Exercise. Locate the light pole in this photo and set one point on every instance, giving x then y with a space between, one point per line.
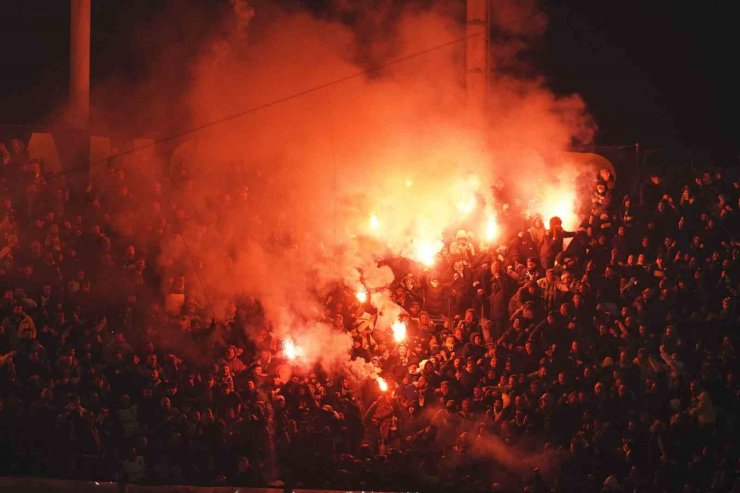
77 162
476 52
79 63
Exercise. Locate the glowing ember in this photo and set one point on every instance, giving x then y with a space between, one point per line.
399 331
374 222
361 296
382 384
290 350
426 251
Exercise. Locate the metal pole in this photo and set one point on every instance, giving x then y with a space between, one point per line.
77 162
79 63
476 59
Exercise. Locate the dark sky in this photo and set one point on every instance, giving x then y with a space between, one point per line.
655 72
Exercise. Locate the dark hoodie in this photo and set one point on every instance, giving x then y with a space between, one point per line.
473 350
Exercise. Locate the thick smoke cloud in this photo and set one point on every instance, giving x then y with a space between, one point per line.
283 202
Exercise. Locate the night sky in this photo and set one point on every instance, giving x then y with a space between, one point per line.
655 72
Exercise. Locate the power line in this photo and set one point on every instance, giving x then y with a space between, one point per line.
278 101
305 92
296 95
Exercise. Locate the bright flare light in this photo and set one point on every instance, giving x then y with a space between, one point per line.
561 203
290 350
382 384
426 251
492 230
374 222
361 296
466 206
399 331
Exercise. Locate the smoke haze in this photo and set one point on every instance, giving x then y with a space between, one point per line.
283 202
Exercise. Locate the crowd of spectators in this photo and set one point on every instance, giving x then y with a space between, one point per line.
598 359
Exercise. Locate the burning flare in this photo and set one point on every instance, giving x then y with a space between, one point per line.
492 229
466 206
399 331
426 251
382 384
290 350
561 203
361 296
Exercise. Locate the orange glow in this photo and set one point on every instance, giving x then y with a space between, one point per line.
466 206
562 203
426 251
361 296
382 384
290 350
374 222
492 229
399 331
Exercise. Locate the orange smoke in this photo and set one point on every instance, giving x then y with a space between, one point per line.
285 201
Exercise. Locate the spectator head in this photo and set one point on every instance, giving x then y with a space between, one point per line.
165 403
18 310
151 360
546 401
28 332
415 309
16 144
230 352
251 386
556 223
599 389
46 394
